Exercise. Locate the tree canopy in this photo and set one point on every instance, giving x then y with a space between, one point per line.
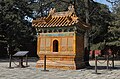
113 35
15 29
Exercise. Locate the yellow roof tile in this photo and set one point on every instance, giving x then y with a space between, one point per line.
59 19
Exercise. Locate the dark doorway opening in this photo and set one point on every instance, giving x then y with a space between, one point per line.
55 46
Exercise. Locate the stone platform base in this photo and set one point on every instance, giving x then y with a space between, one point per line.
64 64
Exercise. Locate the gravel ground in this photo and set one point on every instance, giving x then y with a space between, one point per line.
32 72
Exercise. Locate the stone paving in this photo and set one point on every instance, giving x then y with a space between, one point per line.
35 73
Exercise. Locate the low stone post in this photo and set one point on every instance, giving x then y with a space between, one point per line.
96 64
44 63
107 62
10 60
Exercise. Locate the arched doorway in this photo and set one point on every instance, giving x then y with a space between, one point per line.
55 46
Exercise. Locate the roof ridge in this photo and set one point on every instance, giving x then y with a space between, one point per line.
59 19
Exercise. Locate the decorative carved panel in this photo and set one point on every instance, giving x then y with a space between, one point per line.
64 42
70 48
70 41
63 48
42 42
48 42
70 44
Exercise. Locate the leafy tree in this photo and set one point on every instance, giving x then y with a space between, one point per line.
14 16
99 14
113 35
100 20
15 28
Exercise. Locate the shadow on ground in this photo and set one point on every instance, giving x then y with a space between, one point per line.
116 67
16 59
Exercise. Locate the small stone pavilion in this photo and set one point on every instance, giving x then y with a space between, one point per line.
61 39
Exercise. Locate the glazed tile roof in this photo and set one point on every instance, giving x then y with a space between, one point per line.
59 19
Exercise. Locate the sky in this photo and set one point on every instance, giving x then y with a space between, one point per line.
104 2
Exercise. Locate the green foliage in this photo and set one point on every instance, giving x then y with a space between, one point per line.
15 28
99 15
18 31
113 35
100 20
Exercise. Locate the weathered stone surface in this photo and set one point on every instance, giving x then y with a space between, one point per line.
35 73
60 62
